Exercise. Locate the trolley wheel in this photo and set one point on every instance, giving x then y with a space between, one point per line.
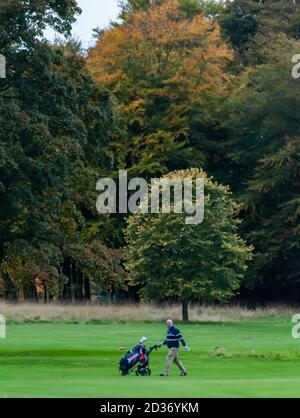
148 372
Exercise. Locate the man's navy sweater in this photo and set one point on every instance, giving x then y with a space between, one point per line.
174 337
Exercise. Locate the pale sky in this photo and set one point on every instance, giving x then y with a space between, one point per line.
94 13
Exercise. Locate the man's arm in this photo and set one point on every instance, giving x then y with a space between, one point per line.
179 336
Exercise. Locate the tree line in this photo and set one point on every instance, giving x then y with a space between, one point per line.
172 86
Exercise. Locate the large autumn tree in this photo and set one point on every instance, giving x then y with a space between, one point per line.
165 67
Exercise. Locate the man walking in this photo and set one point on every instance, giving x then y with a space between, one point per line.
172 341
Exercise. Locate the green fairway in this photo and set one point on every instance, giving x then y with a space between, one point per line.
81 360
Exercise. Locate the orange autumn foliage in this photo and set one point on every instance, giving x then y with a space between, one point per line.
161 65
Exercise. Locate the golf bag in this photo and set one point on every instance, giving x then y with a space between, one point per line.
137 360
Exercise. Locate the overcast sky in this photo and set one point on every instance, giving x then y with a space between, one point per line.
94 13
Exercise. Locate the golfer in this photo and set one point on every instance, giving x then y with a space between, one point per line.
172 341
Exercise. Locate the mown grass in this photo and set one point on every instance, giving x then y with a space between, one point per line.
96 313
256 358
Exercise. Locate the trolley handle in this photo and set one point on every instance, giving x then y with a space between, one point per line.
154 348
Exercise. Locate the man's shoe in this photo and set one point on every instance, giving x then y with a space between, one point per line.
164 374
183 374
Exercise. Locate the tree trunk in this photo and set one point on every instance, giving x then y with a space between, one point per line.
112 296
73 281
79 284
45 293
30 292
87 289
185 310
66 293
10 292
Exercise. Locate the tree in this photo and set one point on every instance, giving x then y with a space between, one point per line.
249 24
191 7
55 127
239 21
169 259
167 71
23 22
280 16
129 6
165 67
263 121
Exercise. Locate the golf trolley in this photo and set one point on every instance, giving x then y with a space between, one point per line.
137 361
